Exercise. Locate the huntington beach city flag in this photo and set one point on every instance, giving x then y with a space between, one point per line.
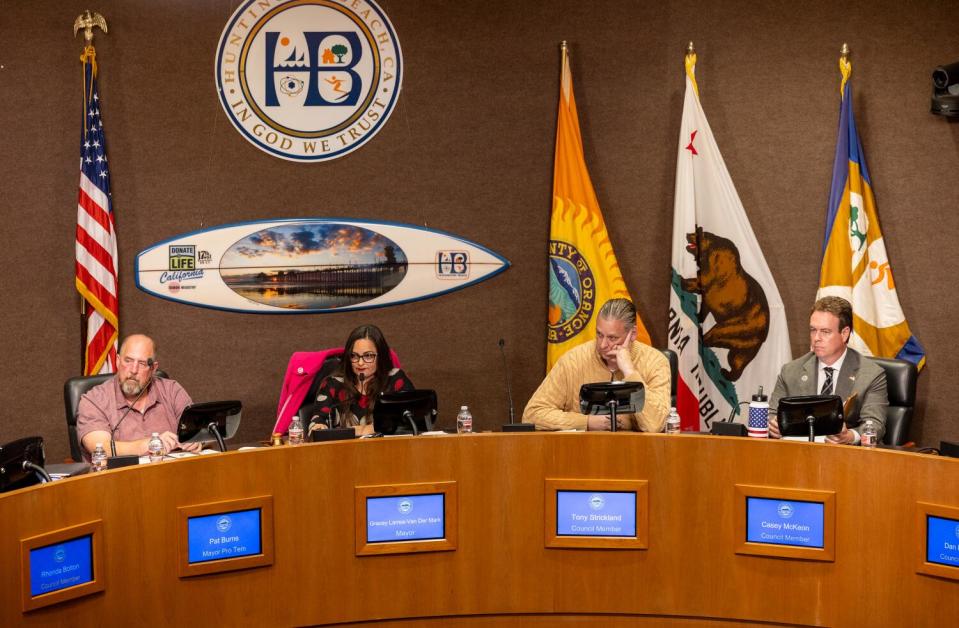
583 272
726 320
96 242
854 262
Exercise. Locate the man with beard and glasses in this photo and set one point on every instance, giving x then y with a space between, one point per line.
144 402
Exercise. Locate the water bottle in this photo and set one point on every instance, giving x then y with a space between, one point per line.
758 422
464 421
869 437
672 422
296 432
98 460
155 448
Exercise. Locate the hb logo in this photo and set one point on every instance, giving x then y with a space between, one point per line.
308 80
327 47
452 264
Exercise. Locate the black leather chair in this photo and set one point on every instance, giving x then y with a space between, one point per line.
901 385
73 389
673 374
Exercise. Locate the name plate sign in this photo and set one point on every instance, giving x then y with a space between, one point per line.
61 565
942 541
600 513
785 522
589 513
938 532
224 535
405 518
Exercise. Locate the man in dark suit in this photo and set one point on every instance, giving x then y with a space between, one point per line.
832 368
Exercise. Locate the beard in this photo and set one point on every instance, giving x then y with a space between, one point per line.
131 387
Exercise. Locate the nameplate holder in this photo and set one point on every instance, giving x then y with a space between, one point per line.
950 449
724 428
596 513
937 538
118 462
337 433
785 522
62 565
519 427
224 536
405 518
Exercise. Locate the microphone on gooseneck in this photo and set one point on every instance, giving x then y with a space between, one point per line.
509 390
113 432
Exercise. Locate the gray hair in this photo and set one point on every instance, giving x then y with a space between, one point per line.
620 310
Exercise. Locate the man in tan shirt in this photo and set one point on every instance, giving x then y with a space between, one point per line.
613 354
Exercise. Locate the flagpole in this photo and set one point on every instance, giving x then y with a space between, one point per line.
87 21
845 68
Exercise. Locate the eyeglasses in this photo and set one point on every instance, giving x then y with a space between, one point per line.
129 362
369 358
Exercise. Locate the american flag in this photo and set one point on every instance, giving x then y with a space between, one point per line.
758 426
96 272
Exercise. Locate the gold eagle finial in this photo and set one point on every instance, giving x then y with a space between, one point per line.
87 21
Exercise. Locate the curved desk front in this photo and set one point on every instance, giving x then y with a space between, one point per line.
500 562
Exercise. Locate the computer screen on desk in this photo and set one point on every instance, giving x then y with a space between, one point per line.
61 565
224 535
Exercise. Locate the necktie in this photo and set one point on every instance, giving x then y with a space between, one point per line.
827 385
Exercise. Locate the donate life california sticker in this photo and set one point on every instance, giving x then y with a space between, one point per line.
308 80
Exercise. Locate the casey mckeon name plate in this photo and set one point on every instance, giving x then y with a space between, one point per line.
785 522
596 513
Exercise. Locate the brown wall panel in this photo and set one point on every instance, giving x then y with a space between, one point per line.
469 150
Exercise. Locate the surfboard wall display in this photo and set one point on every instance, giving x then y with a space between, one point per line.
309 266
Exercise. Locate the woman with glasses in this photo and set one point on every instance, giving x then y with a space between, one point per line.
347 396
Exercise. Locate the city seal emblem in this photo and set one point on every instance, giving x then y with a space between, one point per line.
572 292
308 80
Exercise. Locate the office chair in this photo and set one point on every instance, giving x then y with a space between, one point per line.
901 385
73 389
673 374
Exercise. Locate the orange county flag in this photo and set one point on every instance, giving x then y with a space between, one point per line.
726 320
583 272
854 262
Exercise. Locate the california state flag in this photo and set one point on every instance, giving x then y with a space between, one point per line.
726 320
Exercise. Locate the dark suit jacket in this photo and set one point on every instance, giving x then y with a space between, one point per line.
859 374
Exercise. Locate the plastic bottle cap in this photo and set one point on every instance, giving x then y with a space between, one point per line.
463 408
99 444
